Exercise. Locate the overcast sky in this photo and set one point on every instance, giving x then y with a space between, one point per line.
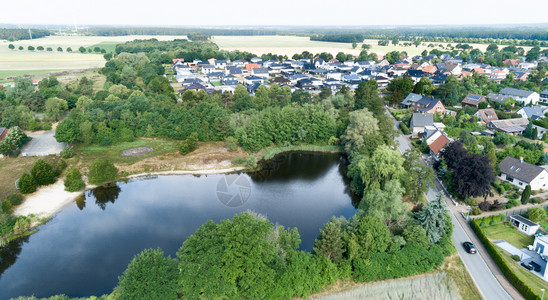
279 12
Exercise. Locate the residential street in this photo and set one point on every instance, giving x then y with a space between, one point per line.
489 279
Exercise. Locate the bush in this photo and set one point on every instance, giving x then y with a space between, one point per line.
67 152
516 257
6 205
46 126
150 275
190 144
526 195
15 199
231 143
238 160
60 165
42 172
102 171
475 211
538 200
74 182
483 223
26 184
514 196
404 128
507 186
512 203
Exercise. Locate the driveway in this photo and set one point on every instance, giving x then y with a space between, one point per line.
42 144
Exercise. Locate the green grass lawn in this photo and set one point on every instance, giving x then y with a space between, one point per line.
216 83
91 152
108 46
509 234
8 73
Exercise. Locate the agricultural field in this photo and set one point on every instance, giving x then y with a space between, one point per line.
39 63
289 45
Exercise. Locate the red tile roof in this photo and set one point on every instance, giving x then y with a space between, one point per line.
438 144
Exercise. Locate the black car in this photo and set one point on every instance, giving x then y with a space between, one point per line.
527 266
535 266
469 247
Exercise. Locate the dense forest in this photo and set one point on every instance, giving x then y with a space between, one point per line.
340 38
118 31
11 34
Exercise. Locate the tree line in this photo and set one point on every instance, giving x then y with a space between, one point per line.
12 34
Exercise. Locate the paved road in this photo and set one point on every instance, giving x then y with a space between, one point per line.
42 144
488 285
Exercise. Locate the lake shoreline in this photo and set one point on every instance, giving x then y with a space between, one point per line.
51 199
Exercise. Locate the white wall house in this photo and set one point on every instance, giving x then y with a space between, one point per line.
521 174
527 97
524 225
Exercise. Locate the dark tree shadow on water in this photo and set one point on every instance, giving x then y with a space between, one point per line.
105 194
9 253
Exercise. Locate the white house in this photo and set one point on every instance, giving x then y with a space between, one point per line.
540 246
532 112
544 96
524 225
521 174
524 96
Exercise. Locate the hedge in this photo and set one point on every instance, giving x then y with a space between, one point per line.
521 286
404 128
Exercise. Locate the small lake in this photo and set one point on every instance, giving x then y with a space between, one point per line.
85 247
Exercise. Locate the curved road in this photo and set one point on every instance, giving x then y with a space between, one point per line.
489 286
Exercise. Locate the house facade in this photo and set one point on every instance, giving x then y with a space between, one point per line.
419 122
526 97
521 173
524 225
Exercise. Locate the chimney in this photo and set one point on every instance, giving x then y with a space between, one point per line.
521 159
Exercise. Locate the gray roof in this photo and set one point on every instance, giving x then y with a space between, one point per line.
523 220
545 92
533 112
411 98
420 119
521 170
260 71
515 92
2 129
498 97
522 122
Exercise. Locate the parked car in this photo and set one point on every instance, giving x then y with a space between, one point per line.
469 247
527 266
535 266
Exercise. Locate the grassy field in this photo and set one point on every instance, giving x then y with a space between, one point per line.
289 45
88 153
12 168
450 281
21 62
108 46
509 234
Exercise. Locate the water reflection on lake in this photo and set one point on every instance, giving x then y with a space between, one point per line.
84 248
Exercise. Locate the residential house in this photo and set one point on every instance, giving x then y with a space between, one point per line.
532 112
251 66
416 75
509 126
498 98
497 74
520 76
419 121
511 62
526 97
486 115
229 80
256 60
382 81
438 79
260 72
221 63
206 69
521 173
410 99
280 81
430 70
544 96
524 225
319 63
429 105
438 145
473 100
235 71
540 246
251 80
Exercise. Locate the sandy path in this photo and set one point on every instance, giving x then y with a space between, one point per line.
46 201
53 198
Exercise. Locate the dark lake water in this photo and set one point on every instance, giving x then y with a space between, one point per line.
85 247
